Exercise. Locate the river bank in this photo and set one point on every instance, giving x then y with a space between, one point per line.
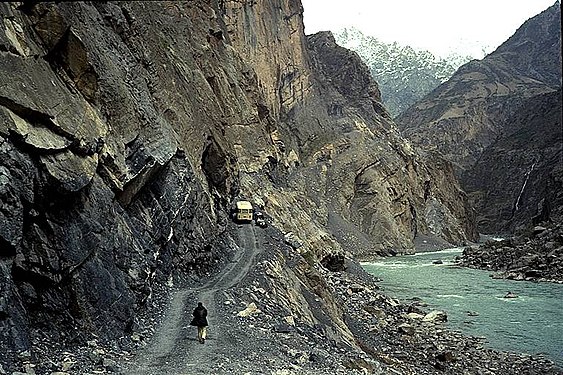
534 256
475 304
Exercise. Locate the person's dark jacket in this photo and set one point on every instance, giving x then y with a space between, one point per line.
200 317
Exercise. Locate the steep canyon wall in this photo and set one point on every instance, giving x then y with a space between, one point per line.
487 107
127 130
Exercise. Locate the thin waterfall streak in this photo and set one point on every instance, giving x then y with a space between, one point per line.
524 185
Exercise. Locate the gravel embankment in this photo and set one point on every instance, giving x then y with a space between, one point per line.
537 256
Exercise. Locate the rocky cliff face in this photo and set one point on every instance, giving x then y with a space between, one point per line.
326 123
366 179
463 117
526 163
127 129
111 147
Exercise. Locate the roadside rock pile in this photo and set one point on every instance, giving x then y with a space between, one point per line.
536 256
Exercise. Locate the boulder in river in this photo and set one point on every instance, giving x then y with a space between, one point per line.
415 316
510 295
435 316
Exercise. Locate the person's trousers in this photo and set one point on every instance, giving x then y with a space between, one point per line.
201 333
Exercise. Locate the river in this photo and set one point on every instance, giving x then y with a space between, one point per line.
475 303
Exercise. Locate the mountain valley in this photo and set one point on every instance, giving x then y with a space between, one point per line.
129 130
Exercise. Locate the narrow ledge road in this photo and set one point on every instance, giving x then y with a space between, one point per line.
174 348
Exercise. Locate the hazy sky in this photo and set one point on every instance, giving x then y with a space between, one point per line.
436 25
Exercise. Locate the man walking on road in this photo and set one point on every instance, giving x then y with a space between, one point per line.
200 321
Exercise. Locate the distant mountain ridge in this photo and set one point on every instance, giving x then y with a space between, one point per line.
404 74
491 103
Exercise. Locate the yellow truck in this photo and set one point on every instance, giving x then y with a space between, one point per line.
243 211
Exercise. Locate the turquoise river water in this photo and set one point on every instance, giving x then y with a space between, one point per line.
531 323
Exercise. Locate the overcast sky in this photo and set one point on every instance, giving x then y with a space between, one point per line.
436 25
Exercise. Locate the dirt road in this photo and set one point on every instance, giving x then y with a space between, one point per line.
174 348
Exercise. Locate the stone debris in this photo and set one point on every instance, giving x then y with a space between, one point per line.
290 333
414 315
534 256
251 309
292 240
406 329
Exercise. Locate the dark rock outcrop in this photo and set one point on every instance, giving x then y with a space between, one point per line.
526 162
476 108
99 204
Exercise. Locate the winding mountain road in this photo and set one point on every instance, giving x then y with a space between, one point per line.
174 348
